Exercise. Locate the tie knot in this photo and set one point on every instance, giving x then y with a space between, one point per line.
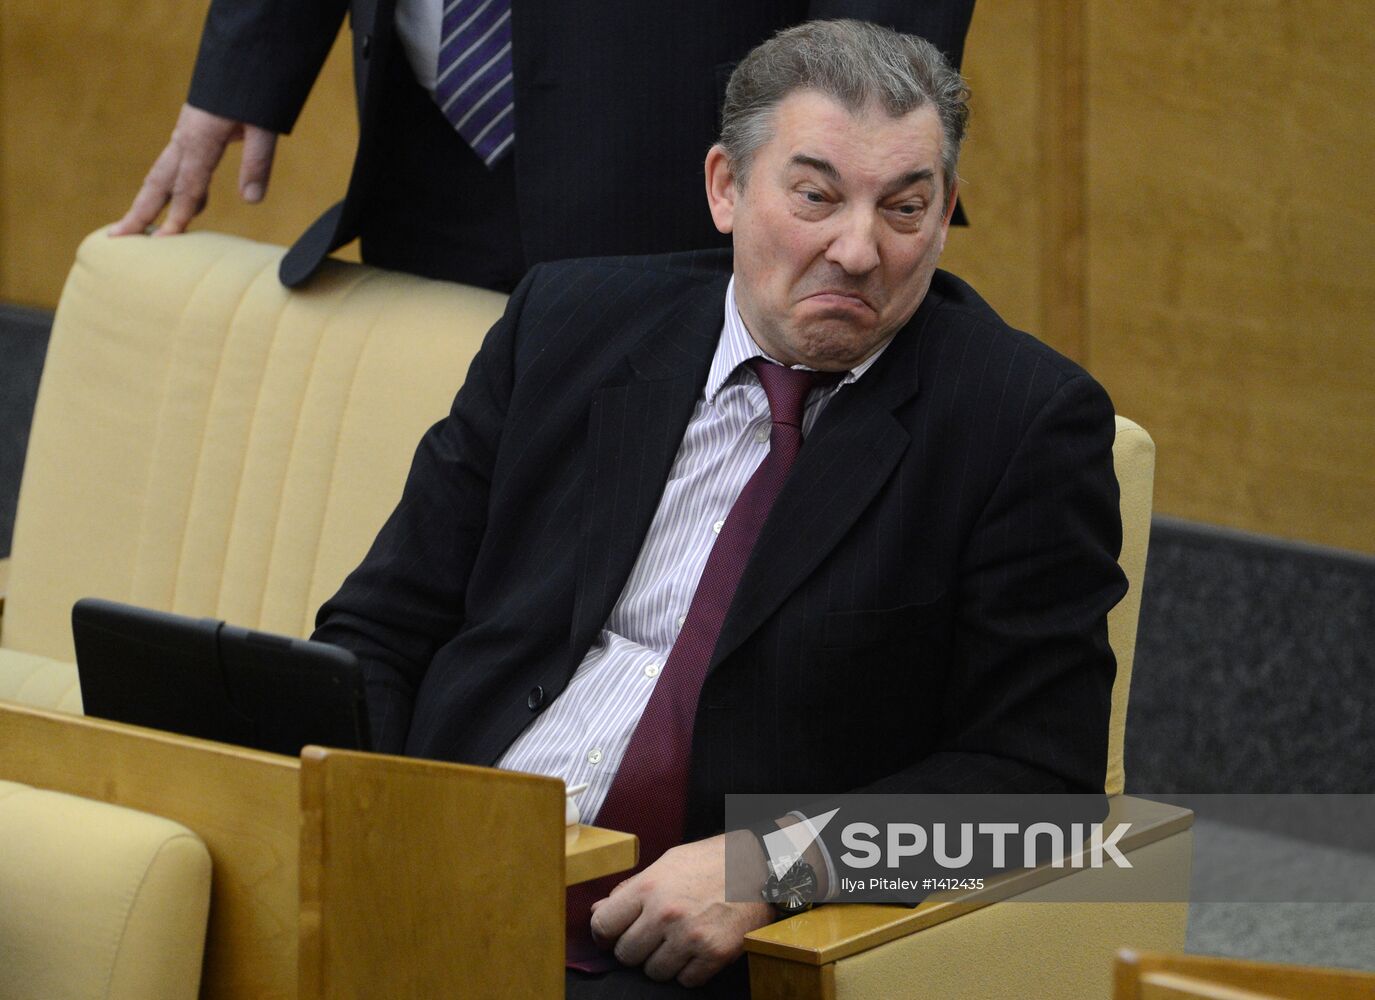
788 388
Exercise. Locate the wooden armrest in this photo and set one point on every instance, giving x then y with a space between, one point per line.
590 852
829 933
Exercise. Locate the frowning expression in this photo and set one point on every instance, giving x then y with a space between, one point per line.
837 230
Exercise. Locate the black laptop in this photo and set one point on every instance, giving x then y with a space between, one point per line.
202 677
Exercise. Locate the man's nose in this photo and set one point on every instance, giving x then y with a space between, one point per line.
854 247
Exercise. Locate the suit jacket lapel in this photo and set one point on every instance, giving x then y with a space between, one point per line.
845 461
636 423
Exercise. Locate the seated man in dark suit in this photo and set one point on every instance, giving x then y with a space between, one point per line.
807 517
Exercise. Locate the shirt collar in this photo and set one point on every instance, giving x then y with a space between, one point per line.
736 346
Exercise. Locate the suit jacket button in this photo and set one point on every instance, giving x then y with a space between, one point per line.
367 46
536 698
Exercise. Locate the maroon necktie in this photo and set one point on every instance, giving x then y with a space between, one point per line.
649 793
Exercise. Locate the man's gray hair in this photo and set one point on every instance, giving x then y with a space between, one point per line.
855 63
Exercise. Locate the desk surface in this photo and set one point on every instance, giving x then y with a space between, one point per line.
591 852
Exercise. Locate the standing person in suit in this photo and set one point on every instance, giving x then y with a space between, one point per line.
804 517
612 105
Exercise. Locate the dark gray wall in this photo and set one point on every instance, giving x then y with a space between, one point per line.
1255 666
23 342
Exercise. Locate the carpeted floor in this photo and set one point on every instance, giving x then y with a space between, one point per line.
1255 672
1255 666
1280 899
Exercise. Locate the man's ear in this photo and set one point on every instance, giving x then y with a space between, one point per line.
945 220
950 203
721 189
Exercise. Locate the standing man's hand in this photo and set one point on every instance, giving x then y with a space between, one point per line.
180 177
673 919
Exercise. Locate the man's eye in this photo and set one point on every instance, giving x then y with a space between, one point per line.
815 197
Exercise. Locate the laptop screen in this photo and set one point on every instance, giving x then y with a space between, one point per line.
205 678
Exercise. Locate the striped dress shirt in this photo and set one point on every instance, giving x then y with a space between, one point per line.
418 26
582 736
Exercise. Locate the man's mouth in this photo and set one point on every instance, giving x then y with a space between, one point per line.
839 298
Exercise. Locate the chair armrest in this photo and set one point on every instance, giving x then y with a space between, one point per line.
590 852
97 899
808 955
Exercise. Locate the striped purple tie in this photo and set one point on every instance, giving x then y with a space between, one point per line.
648 796
473 77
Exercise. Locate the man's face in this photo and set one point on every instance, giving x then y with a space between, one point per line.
838 230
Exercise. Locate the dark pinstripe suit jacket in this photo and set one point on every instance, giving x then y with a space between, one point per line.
924 611
616 99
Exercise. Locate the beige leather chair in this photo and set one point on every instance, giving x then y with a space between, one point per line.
202 443
206 443
98 902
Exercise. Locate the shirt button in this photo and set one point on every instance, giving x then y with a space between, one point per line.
652 670
594 756
536 698
762 434
717 527
681 620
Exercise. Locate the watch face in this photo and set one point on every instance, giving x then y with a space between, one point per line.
794 891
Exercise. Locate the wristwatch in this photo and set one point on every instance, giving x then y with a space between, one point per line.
791 885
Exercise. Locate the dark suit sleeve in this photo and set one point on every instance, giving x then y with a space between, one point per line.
943 23
406 598
259 58
1028 694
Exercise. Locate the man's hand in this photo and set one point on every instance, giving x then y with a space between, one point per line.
181 175
673 919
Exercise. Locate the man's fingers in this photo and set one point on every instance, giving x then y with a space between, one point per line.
180 177
649 930
639 941
613 915
669 959
692 951
256 167
189 195
698 971
152 196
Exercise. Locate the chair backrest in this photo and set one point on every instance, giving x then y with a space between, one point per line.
1155 976
207 443
98 901
1133 458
